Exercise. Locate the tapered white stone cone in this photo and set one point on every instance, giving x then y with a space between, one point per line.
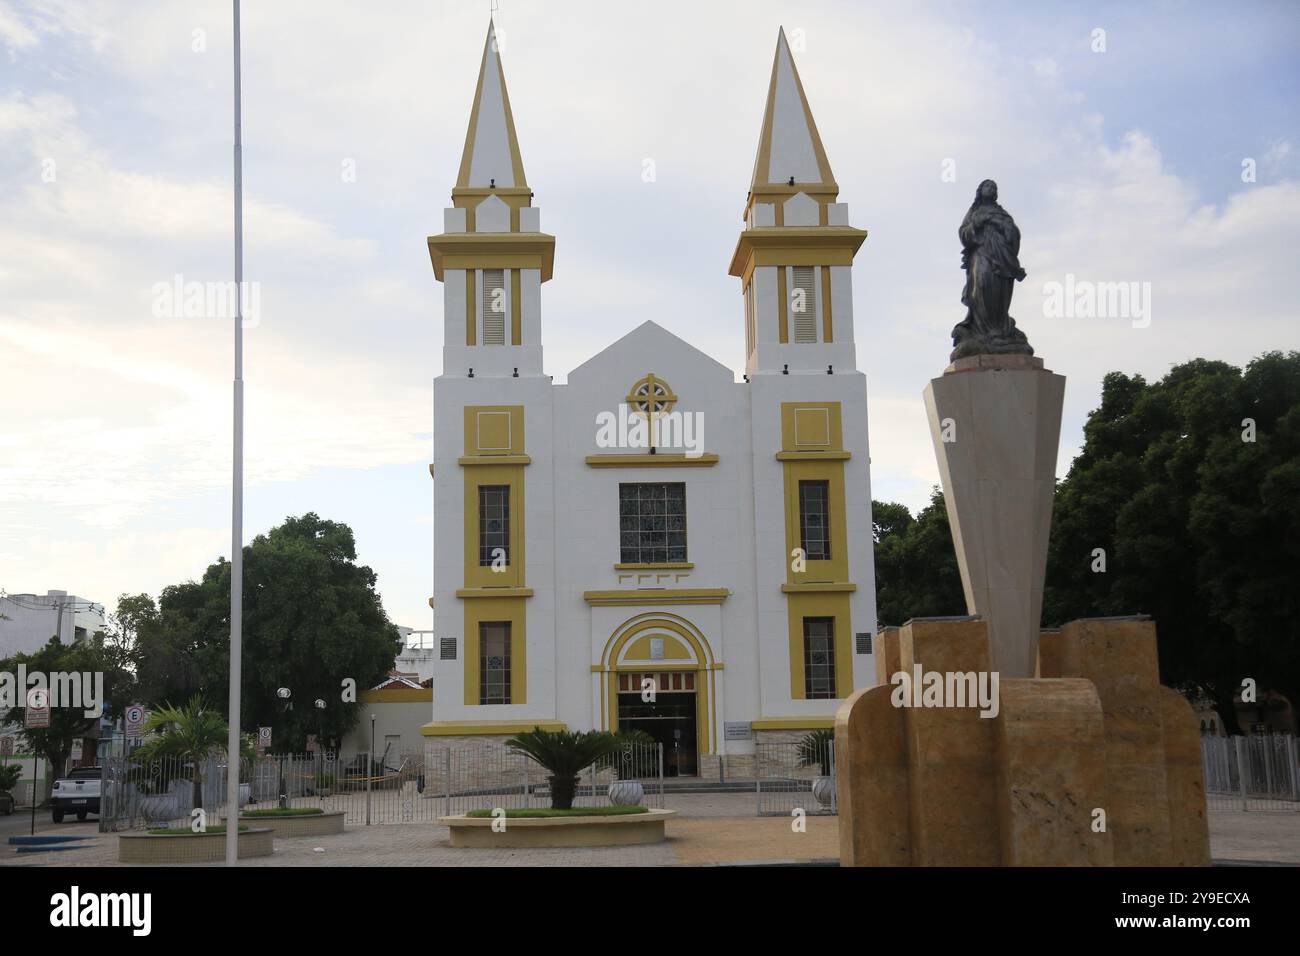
996 423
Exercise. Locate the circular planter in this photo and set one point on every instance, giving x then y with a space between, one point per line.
166 848
299 825
823 791
631 829
626 793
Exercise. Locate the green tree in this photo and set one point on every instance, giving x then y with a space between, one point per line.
1198 525
312 619
68 721
916 564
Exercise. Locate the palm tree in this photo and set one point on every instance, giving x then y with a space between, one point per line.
189 734
815 750
565 754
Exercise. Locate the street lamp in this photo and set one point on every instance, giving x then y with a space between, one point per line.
370 767
284 694
319 757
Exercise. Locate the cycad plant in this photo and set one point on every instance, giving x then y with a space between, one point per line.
815 750
188 734
565 753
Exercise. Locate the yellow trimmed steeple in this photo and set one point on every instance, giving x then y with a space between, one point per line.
492 255
491 157
790 155
794 255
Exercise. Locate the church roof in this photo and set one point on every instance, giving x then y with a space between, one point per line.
651 342
491 157
788 145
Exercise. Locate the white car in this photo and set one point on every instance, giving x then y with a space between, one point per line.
77 793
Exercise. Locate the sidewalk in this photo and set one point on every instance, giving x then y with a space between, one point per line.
711 829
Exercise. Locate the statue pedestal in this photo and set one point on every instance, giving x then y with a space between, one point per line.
996 422
1091 763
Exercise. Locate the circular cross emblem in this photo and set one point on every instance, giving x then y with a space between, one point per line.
651 396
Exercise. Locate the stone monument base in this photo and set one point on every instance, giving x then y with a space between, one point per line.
1090 763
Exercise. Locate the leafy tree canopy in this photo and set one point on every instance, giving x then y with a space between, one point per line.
1189 490
916 566
89 656
312 618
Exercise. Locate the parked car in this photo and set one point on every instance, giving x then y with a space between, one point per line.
9 777
77 793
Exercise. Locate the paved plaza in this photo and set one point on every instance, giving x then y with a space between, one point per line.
711 829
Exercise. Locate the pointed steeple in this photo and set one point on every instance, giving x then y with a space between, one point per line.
492 255
789 146
794 257
491 157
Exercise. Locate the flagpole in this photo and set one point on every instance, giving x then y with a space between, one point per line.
237 495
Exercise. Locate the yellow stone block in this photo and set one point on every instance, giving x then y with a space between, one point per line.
1051 774
950 751
1119 656
887 660
1189 827
872 781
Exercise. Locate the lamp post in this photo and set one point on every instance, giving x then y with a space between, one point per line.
284 694
370 768
319 776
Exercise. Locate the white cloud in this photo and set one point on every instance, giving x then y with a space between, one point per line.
119 414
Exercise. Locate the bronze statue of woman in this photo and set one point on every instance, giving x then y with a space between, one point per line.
990 251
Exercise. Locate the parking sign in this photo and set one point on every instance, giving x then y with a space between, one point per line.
135 718
36 715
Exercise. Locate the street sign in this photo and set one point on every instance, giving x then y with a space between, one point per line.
135 717
263 738
6 746
36 716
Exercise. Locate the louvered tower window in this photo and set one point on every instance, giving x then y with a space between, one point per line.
803 304
494 307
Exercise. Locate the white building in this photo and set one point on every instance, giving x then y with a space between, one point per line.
655 524
28 621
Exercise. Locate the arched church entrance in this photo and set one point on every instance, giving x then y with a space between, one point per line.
659 674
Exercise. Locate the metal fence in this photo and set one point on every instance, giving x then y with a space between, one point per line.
1257 772
410 787
795 775
490 776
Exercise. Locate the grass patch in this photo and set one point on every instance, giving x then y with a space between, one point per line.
286 812
575 812
186 831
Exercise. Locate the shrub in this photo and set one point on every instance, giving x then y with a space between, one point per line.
815 750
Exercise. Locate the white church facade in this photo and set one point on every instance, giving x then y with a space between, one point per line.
659 521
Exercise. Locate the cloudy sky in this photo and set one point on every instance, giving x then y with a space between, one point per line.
1122 164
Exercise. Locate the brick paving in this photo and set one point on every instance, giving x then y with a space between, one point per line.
710 829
